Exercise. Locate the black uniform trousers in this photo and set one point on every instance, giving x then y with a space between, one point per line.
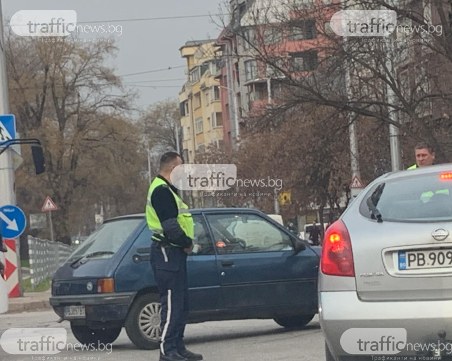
169 265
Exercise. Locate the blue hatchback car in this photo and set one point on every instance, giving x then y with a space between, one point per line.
244 265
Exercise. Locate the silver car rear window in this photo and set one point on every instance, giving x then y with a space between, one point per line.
414 198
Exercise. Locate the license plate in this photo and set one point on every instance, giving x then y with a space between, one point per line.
425 259
74 311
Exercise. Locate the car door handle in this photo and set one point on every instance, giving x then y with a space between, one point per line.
227 263
139 258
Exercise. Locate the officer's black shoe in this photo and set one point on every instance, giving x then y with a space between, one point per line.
172 356
190 356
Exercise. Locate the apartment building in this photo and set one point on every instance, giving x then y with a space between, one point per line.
262 38
201 115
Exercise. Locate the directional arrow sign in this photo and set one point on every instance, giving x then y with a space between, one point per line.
12 221
7 127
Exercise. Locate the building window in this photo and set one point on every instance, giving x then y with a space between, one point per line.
216 93
198 125
248 38
304 61
250 70
217 120
183 108
194 75
303 29
197 100
214 67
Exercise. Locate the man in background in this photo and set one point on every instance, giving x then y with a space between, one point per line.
424 154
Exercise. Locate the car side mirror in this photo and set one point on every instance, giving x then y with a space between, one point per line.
299 245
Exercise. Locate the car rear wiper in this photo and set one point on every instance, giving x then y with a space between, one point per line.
372 202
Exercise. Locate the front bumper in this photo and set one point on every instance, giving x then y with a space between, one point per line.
101 309
427 323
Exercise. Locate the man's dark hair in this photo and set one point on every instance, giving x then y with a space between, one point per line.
167 158
424 145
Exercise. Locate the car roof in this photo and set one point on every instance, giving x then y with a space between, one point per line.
195 211
418 171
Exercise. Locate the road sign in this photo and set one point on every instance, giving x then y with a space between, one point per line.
49 205
356 183
13 221
284 198
7 127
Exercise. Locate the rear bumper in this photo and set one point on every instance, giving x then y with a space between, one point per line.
100 309
426 323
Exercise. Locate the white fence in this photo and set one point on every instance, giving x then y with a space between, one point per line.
45 258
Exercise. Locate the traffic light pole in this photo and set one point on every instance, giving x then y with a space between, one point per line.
7 195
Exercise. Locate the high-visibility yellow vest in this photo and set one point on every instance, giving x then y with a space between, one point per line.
425 196
184 217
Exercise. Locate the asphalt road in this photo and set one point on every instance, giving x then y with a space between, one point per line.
250 340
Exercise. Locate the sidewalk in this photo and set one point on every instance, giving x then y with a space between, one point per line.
31 301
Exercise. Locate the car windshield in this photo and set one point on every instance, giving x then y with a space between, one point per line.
107 239
412 198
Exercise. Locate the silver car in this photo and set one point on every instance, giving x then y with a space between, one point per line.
385 284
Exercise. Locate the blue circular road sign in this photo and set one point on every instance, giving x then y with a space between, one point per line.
12 221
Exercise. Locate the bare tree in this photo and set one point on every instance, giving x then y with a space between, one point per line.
63 94
403 80
162 125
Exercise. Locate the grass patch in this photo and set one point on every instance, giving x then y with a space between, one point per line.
43 286
25 263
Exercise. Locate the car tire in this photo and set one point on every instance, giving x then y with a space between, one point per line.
328 355
143 322
294 321
95 336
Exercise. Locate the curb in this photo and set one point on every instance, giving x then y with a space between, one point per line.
33 306
30 302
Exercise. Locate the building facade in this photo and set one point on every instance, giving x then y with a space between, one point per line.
201 115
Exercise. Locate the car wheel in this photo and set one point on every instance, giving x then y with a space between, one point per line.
328 355
294 321
143 322
95 336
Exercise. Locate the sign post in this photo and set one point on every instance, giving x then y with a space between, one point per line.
356 186
49 206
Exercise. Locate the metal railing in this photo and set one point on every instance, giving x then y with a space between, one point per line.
45 258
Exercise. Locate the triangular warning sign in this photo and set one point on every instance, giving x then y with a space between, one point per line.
356 183
49 205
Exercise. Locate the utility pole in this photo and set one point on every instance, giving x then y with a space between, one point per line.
356 174
7 196
392 114
232 96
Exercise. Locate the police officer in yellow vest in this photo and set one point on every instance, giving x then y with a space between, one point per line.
424 154
172 233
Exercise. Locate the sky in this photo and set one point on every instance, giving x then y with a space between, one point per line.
146 44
